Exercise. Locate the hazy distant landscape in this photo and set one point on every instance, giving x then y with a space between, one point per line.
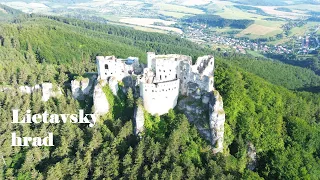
285 30
269 16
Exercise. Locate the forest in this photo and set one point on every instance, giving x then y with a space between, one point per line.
282 124
218 21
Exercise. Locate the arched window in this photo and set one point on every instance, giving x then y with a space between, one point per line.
106 66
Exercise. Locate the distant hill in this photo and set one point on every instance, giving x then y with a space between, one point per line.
218 21
7 13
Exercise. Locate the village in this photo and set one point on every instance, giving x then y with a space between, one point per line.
301 45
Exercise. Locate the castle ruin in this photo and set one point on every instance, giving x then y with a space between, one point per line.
164 80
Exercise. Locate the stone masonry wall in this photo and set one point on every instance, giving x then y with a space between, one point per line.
159 98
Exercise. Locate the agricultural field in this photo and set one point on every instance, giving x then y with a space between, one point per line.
176 15
141 28
177 8
256 30
295 14
300 31
231 12
29 7
305 7
151 23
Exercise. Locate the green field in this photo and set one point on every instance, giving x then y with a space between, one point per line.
173 14
230 12
176 8
141 28
300 31
262 29
305 7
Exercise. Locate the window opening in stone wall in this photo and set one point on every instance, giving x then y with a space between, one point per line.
106 66
176 76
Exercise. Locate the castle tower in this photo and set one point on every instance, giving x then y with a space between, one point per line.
150 56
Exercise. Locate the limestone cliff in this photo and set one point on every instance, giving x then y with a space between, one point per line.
252 156
29 89
206 112
113 84
82 88
139 120
216 121
100 101
47 90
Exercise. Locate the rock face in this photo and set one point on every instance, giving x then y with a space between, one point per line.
197 113
28 89
210 125
216 121
252 155
47 89
82 88
139 120
100 101
113 84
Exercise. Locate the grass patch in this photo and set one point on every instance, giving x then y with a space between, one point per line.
259 30
230 12
301 31
177 8
173 14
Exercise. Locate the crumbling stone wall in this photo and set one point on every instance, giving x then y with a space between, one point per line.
161 97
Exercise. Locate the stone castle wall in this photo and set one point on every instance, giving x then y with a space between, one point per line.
110 66
159 98
201 73
163 69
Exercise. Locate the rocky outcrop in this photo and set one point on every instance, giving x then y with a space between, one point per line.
47 90
100 101
139 120
82 88
113 84
252 155
29 89
197 114
196 107
216 121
